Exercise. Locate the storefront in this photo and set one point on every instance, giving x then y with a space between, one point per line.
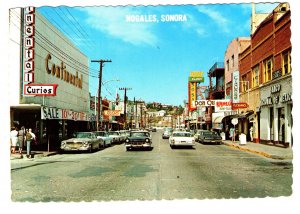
46 58
276 112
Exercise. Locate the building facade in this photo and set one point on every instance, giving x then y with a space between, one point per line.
42 55
266 64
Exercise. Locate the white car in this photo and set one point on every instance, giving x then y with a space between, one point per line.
116 136
181 138
105 137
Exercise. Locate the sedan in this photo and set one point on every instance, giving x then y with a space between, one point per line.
210 137
82 141
138 139
107 140
181 138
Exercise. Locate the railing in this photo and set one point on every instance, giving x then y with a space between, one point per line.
216 65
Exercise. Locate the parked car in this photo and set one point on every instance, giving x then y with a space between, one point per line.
124 134
107 140
181 138
210 137
138 139
116 136
198 133
82 141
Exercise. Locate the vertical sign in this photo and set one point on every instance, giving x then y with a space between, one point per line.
28 66
192 95
235 87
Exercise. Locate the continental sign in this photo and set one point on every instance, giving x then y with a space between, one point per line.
112 113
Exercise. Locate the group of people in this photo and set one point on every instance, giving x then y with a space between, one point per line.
20 139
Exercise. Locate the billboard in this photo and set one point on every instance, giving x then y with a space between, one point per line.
196 76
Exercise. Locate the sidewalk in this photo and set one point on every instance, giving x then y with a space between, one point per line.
34 154
269 151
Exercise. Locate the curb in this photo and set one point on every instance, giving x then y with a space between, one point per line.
264 154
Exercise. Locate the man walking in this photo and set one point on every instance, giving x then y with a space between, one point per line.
21 140
30 137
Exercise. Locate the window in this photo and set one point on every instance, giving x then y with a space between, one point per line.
286 62
268 67
227 65
255 76
244 83
232 59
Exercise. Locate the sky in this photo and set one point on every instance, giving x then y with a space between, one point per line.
153 59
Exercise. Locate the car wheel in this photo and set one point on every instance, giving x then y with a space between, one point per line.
91 149
127 149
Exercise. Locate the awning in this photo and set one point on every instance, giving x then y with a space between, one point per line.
218 119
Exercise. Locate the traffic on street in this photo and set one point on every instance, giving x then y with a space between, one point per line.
204 171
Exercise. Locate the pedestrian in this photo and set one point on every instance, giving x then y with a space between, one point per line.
231 132
251 133
14 139
21 140
30 137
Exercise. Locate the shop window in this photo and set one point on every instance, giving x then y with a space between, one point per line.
255 76
268 67
286 62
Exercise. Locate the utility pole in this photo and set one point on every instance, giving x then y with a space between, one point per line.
125 98
101 61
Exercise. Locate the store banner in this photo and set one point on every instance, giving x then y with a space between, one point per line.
51 113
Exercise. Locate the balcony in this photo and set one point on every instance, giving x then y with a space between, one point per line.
216 70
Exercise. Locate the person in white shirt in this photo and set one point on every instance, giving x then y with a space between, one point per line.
14 139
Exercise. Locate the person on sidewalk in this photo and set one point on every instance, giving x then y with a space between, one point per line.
21 140
251 133
14 139
30 137
232 133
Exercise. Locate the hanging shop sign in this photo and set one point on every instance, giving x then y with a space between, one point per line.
220 104
239 105
65 114
112 113
192 95
40 89
235 87
196 76
28 66
29 88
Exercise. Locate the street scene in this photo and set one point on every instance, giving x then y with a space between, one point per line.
165 102
112 174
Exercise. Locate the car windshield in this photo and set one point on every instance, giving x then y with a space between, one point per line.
182 134
207 134
139 134
83 135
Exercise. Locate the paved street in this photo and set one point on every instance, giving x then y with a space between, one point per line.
207 171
